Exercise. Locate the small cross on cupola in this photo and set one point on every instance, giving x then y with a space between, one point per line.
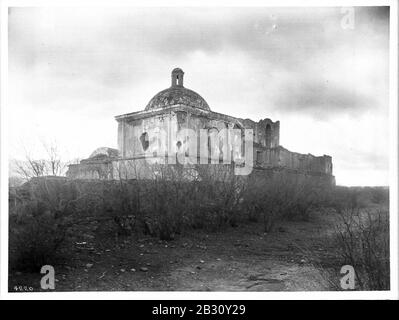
177 77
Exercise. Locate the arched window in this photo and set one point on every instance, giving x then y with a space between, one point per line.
268 136
145 142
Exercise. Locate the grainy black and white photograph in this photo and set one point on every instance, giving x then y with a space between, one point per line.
198 149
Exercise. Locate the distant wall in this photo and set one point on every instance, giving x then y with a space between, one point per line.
281 157
141 168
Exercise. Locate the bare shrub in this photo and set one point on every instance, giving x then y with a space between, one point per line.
219 193
380 195
30 167
358 197
121 200
305 195
263 199
362 237
358 236
39 223
178 198
36 243
277 197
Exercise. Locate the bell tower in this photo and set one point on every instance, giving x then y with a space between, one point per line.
177 77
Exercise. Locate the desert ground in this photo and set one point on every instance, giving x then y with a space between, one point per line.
243 258
293 237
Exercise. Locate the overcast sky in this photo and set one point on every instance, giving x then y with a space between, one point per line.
71 70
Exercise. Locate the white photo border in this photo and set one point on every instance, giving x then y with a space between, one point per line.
184 295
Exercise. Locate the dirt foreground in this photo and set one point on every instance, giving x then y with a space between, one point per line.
234 259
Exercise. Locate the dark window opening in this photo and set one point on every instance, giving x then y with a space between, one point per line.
145 143
268 136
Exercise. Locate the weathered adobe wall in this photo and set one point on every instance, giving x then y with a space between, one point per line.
294 175
135 140
91 171
305 162
281 157
132 132
142 168
266 132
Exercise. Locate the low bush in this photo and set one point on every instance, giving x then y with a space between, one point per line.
362 239
277 198
39 223
36 243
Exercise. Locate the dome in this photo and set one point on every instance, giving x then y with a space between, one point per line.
177 70
104 152
177 94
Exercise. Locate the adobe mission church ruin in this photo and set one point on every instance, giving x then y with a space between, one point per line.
177 108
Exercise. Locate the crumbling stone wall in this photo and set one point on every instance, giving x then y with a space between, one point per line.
137 138
135 129
283 158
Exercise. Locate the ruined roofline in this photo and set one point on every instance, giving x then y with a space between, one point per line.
304 154
153 112
149 113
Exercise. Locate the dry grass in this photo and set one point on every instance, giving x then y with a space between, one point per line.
43 211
